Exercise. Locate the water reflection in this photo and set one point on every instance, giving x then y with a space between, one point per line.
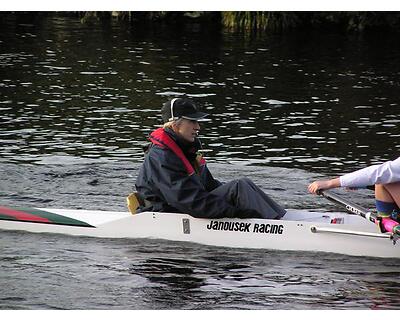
177 274
199 277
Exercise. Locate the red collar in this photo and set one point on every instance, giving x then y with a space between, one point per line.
161 138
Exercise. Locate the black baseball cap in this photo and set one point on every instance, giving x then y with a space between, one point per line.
181 108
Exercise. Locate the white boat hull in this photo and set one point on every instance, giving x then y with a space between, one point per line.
297 231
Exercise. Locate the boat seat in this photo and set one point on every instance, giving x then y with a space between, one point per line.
134 201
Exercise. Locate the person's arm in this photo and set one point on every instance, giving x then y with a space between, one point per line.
384 173
210 182
324 185
188 195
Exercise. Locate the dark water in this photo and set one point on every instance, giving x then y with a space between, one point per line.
57 272
77 102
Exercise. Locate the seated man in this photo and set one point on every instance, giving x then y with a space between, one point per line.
175 178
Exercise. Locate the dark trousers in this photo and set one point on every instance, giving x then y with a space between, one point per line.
245 195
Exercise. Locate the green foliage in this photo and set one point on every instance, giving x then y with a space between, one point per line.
93 16
258 20
255 21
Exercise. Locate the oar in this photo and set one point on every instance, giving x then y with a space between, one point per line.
386 225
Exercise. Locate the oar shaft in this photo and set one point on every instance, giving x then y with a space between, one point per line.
388 224
350 206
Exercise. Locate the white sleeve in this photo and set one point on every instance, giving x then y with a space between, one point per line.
386 172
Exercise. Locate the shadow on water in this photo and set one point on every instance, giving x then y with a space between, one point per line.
175 273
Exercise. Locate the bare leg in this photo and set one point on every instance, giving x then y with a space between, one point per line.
387 201
388 192
382 194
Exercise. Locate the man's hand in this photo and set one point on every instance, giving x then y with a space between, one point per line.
323 185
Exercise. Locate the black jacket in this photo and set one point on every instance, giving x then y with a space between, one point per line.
166 185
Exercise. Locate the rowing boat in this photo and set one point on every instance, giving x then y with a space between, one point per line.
298 230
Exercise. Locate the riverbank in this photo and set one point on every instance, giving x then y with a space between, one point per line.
236 21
